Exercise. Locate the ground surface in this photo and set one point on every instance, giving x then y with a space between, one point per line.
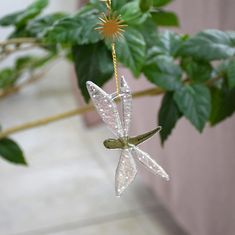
68 187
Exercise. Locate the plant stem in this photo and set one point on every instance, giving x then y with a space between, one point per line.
45 121
84 109
71 113
7 52
16 44
18 41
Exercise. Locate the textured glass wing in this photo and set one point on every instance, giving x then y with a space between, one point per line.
126 99
106 108
125 172
126 105
149 163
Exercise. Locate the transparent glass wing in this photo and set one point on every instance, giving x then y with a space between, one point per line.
106 108
126 172
149 163
126 104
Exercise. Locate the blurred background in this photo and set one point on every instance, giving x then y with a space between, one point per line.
68 187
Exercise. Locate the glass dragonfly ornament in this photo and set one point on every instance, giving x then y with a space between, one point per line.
119 125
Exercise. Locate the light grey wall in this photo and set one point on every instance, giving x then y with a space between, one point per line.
201 193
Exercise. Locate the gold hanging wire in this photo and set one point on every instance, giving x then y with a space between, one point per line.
108 3
111 27
115 67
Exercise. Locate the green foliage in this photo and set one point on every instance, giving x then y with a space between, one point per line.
21 18
131 50
162 71
167 43
117 4
209 45
10 75
196 72
78 29
145 5
168 115
32 62
231 74
161 3
96 67
39 27
10 151
132 13
222 103
165 18
7 78
194 101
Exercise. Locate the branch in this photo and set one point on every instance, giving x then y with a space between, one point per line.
16 44
18 41
84 109
68 114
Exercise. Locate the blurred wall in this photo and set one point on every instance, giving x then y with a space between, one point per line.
201 193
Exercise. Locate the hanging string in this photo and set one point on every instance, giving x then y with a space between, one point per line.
109 7
115 67
108 4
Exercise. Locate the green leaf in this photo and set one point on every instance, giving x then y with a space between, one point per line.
231 35
161 3
222 103
97 4
93 62
40 26
145 5
20 33
31 12
118 4
163 72
149 31
19 19
132 14
23 62
194 101
8 77
167 43
197 71
9 19
231 73
168 116
165 18
31 62
10 151
131 50
209 45
78 29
